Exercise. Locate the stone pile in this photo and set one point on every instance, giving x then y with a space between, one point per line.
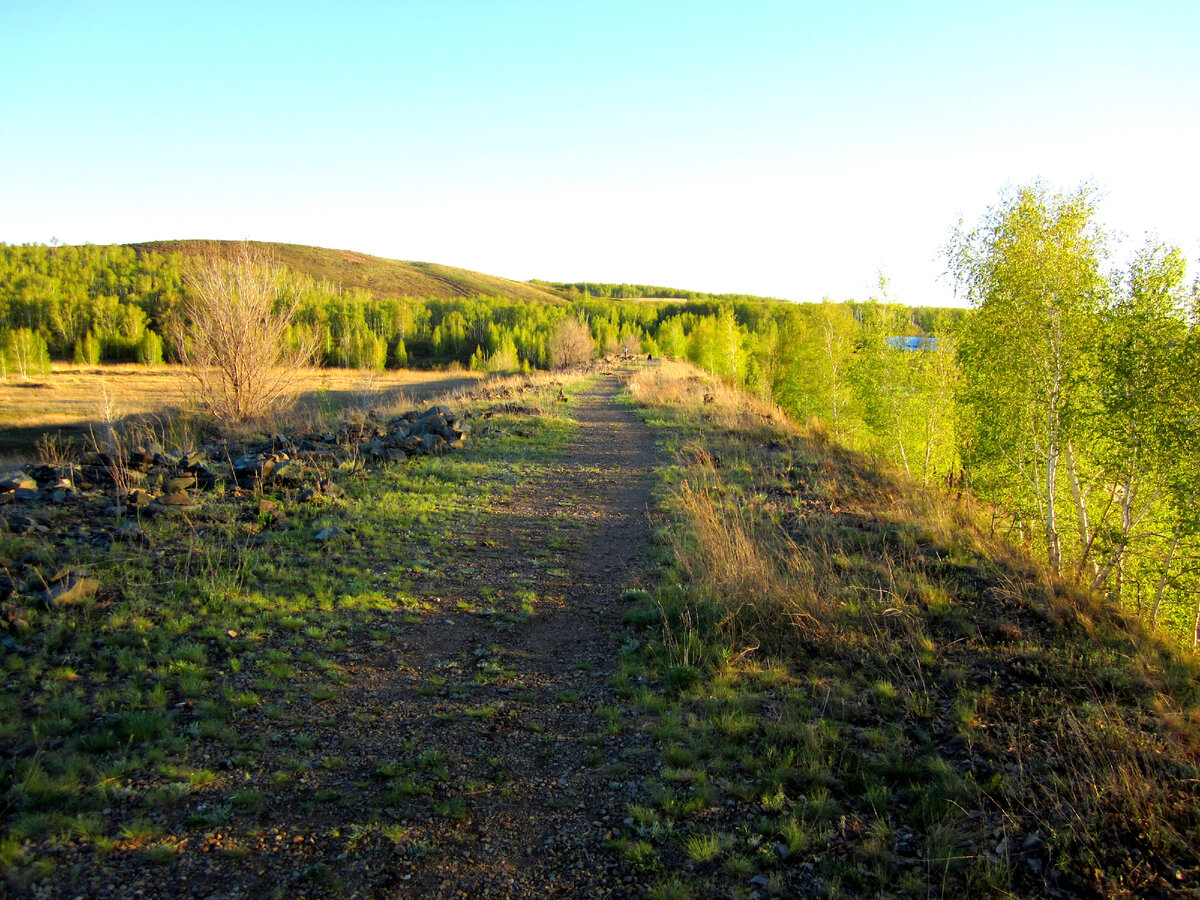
144 476
149 479
98 501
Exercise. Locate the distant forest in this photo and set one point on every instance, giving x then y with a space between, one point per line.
1066 397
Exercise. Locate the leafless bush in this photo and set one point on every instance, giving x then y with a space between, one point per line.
232 332
571 343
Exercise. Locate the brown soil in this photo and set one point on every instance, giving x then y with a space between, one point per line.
497 715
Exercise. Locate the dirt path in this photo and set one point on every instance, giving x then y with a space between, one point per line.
503 721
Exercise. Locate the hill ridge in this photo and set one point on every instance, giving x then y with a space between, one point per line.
384 277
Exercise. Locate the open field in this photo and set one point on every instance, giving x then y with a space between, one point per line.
73 399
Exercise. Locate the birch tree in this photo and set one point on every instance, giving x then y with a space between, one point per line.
1031 268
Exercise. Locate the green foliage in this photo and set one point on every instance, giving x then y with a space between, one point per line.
23 353
1078 405
87 350
65 293
1032 268
150 349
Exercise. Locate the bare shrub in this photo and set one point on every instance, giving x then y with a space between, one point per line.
571 344
232 333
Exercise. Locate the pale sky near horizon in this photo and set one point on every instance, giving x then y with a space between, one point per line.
788 149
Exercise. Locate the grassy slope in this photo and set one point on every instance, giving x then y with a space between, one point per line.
383 277
857 692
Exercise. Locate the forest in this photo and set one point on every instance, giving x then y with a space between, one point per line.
1063 399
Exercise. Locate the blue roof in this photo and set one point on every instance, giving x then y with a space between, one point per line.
920 342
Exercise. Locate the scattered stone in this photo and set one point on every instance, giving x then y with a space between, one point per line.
251 468
72 588
179 483
193 459
332 533
17 481
132 533
288 471
20 524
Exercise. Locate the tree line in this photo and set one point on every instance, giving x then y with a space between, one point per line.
1064 396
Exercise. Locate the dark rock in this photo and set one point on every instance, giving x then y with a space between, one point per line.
191 460
20 524
432 443
140 459
206 478
26 494
252 468
42 474
132 533
138 498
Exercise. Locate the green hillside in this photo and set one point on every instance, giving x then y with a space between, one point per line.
382 277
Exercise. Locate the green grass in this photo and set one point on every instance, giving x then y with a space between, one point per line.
221 641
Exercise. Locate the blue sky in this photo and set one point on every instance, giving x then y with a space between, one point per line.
787 149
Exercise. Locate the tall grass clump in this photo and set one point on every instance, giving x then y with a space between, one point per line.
753 590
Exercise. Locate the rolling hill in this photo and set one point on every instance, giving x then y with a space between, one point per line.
382 277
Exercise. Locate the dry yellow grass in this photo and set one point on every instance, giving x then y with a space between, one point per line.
680 384
72 399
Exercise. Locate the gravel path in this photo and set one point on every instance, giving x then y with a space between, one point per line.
549 785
